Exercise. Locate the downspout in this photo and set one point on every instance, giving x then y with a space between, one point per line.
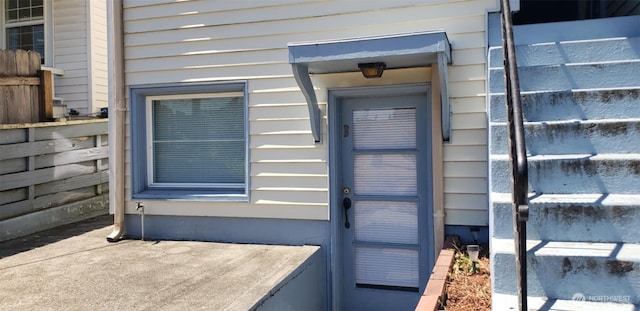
117 109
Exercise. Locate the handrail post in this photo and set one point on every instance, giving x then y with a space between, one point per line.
517 153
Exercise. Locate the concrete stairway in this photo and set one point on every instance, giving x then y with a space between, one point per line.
581 102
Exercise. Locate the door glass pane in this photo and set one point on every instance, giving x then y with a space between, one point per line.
387 266
384 128
386 221
386 174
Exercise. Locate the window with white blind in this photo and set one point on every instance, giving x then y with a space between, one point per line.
190 142
196 141
24 25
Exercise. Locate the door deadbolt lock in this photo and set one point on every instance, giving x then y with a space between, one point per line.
346 190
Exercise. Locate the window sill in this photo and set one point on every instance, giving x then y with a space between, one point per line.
55 71
229 195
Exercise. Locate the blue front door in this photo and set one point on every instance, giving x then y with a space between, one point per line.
386 199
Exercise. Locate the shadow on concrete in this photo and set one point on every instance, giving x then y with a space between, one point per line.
42 238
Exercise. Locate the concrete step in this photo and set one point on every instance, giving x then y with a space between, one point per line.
572 105
566 52
576 173
615 74
581 100
572 217
565 137
564 270
590 29
596 303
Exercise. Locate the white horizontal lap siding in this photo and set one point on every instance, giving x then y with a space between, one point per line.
465 167
71 53
287 168
465 159
197 41
98 49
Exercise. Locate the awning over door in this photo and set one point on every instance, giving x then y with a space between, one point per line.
343 55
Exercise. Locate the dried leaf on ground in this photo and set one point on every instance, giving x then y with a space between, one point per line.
467 290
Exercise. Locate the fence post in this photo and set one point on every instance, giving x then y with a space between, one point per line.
46 95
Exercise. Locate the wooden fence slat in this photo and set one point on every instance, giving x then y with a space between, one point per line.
22 63
75 156
13 195
4 62
72 183
23 179
8 64
15 81
77 130
63 197
34 63
4 103
12 136
27 206
15 209
19 109
36 114
25 93
12 166
8 97
21 150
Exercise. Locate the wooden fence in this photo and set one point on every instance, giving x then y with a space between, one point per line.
26 92
52 174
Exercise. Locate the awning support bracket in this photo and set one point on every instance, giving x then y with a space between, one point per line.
301 74
443 73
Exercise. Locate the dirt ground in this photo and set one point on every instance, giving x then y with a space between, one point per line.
467 290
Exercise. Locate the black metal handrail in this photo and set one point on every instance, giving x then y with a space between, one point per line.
517 153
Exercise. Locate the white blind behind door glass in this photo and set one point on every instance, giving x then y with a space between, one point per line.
384 128
389 174
199 140
387 266
386 221
388 171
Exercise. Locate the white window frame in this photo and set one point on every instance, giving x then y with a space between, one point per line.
47 22
150 145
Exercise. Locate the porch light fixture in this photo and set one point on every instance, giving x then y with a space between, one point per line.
372 70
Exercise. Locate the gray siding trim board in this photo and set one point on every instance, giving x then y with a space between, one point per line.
231 230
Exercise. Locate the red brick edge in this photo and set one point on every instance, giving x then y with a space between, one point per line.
433 296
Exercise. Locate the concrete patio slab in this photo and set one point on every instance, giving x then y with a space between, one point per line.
75 268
